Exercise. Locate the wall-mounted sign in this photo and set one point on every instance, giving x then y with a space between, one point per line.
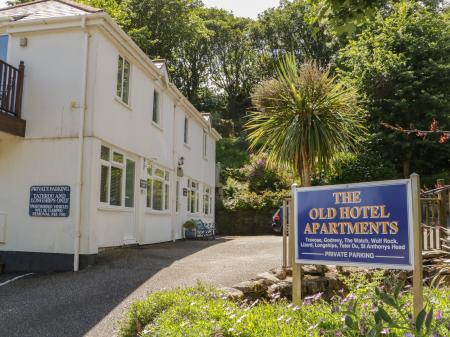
143 183
49 201
355 225
185 192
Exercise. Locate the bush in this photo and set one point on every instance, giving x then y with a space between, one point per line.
232 152
201 312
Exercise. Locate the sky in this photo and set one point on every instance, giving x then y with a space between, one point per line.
246 8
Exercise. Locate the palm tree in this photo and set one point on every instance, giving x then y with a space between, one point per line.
303 118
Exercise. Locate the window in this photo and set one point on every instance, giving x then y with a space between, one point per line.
158 188
123 80
186 130
205 140
4 47
193 197
207 200
155 116
116 178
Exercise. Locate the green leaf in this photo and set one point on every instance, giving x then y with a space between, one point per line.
349 321
378 317
429 320
398 288
372 333
419 320
388 299
385 316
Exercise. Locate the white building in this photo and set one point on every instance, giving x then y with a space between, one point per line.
100 124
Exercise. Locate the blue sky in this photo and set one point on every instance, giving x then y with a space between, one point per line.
246 8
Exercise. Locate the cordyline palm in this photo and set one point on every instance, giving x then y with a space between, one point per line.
304 118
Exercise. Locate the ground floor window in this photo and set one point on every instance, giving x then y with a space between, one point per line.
158 188
193 196
207 200
117 175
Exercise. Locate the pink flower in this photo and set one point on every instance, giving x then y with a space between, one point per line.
439 315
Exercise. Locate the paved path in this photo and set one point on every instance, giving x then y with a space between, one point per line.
92 301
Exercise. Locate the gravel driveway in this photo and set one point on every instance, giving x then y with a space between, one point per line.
92 301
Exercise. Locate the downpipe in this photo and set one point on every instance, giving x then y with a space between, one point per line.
77 233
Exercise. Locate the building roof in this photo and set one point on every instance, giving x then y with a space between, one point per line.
42 9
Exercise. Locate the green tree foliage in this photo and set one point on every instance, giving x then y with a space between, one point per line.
291 28
304 118
401 65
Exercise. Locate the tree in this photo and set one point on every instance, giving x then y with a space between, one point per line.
401 65
291 28
234 63
304 118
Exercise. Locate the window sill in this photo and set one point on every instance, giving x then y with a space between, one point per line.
126 105
186 145
153 212
205 158
109 208
156 125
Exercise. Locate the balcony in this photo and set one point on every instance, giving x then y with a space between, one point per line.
11 87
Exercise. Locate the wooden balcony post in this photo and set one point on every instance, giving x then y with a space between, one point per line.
18 102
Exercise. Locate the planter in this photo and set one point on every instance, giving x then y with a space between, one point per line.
190 233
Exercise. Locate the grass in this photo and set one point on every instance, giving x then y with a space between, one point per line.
200 311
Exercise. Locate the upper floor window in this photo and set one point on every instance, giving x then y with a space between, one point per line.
116 178
205 142
3 47
156 113
186 130
123 80
158 188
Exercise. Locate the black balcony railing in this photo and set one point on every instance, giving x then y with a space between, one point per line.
11 87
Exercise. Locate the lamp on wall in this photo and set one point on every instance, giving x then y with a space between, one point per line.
181 162
180 168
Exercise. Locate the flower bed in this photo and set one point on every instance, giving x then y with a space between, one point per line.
204 311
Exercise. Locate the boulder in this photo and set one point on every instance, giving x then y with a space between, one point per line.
252 289
314 269
283 289
232 293
279 273
268 278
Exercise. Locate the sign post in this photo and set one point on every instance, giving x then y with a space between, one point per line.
418 268
374 225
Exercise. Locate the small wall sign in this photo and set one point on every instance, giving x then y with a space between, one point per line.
49 201
355 225
185 192
143 183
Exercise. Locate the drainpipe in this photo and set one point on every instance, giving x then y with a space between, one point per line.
77 233
175 177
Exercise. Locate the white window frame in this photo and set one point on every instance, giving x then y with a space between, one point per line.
166 185
123 166
156 93
193 190
120 93
207 195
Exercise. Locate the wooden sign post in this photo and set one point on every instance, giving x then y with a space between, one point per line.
417 230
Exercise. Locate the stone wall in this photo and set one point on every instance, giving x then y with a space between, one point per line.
244 222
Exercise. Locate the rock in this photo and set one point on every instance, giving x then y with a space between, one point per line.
232 293
279 273
313 269
268 278
252 289
288 271
283 289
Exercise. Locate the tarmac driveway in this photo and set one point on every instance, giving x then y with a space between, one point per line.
92 301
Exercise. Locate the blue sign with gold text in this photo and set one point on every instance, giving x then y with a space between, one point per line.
366 224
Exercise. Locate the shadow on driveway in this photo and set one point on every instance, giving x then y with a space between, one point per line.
71 304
